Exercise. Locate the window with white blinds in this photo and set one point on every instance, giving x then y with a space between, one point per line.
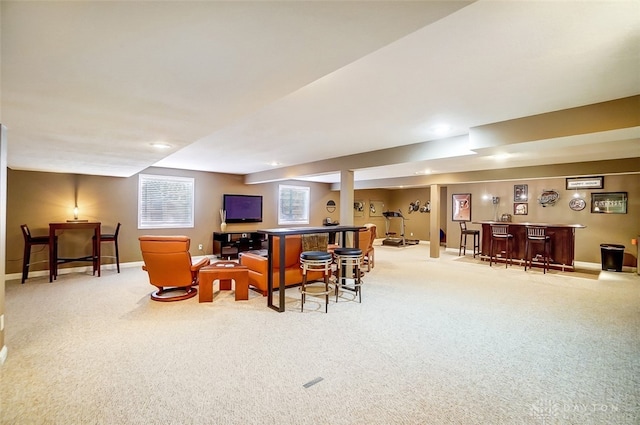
165 202
293 204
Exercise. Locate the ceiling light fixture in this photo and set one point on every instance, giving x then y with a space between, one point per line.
423 172
441 129
160 145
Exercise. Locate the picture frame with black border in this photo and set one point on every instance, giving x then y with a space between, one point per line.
594 182
520 208
520 193
609 203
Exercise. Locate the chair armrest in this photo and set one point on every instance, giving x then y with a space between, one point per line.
254 262
200 264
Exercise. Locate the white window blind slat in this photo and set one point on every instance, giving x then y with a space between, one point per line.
165 202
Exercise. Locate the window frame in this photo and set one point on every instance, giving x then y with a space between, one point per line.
188 221
286 193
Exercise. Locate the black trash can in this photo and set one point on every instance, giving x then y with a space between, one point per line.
612 257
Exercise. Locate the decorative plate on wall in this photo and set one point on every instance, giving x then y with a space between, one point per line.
548 197
577 204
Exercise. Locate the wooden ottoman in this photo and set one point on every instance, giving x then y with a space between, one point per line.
225 272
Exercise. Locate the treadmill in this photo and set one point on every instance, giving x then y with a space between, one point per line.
391 239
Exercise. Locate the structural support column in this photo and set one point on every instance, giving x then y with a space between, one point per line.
434 222
346 197
346 203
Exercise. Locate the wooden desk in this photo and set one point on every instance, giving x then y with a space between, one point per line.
562 242
73 225
282 234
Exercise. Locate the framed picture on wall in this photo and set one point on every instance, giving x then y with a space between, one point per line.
376 208
596 182
609 203
461 207
520 208
520 193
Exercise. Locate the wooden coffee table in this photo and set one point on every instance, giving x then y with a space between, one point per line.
225 272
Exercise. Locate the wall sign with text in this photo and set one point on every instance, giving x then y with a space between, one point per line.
609 203
596 182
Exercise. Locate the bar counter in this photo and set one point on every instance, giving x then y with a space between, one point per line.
282 233
562 242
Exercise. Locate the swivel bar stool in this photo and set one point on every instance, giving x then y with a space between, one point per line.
348 261
463 239
500 232
537 235
315 261
314 257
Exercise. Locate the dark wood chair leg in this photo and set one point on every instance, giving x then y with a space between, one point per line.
25 261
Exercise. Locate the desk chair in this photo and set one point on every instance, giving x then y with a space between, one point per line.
111 237
537 235
500 232
30 241
463 239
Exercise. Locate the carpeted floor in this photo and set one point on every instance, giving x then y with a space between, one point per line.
435 341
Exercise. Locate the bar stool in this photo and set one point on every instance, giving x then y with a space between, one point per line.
463 243
315 261
111 237
537 235
500 232
348 261
30 241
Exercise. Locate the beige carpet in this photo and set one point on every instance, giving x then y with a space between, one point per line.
435 341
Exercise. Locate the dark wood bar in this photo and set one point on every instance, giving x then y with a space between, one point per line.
562 242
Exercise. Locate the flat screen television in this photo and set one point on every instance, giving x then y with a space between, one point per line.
242 208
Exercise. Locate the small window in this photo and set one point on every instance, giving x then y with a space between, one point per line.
165 202
293 204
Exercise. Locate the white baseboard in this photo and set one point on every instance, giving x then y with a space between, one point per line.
3 354
67 270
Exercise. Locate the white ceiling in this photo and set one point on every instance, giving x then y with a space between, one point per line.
234 86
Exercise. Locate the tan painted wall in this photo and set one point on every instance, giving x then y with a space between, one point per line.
38 198
601 228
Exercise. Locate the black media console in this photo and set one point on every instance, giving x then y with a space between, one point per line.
230 244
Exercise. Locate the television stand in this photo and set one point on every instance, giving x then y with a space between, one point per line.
229 244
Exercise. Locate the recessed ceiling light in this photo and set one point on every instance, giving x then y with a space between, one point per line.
500 156
423 172
160 145
274 163
441 129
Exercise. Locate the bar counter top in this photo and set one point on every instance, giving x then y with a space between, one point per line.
527 223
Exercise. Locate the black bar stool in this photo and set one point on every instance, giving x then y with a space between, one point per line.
348 261
111 237
315 261
463 239
537 235
500 232
30 241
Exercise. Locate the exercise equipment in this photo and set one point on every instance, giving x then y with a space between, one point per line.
391 238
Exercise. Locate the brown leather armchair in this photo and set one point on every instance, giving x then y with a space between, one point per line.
257 265
365 243
168 262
